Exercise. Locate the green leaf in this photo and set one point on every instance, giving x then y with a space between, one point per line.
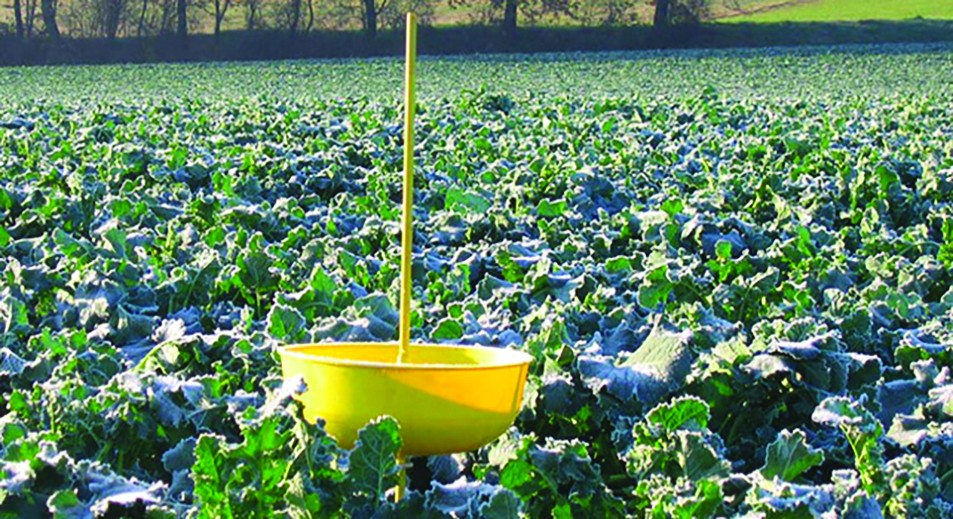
379 306
286 323
700 459
447 329
562 511
686 411
261 440
548 209
69 245
863 433
303 503
789 456
655 288
913 487
723 249
117 241
502 505
6 200
840 411
516 474
466 201
506 448
658 367
618 264
373 467
255 273
886 178
861 506
704 503
673 206
64 504
210 478
665 350
11 432
215 236
323 285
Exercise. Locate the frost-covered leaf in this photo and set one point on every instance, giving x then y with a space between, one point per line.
790 456
688 412
210 475
286 323
372 465
64 504
446 468
501 505
658 367
447 329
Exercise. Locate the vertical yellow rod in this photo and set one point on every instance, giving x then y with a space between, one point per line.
407 237
401 489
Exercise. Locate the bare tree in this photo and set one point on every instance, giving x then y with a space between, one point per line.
221 7
310 24
287 16
253 14
680 11
390 13
661 14
370 17
165 17
690 11
182 18
48 8
141 25
393 14
509 16
606 12
29 17
18 19
94 18
508 12
112 11
154 17
295 8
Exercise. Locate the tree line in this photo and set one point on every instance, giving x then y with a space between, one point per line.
109 19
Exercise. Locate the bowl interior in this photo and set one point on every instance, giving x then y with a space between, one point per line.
419 356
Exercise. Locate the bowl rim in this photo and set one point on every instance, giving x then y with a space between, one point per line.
513 358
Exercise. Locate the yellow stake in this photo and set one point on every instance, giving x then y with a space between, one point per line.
401 489
407 238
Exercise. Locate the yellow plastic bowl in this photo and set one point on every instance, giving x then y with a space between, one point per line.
446 398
